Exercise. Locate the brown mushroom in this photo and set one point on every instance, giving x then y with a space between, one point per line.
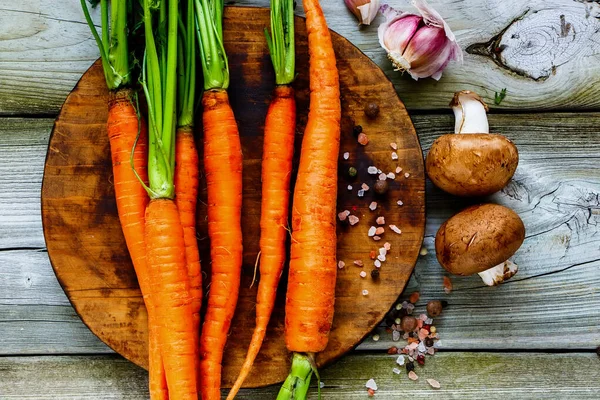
471 161
481 239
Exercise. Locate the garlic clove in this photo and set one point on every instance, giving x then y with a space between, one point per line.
364 10
397 38
470 113
368 12
428 52
499 274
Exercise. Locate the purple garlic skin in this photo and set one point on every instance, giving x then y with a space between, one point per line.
421 45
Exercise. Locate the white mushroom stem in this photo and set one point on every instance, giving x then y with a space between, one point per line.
500 273
470 112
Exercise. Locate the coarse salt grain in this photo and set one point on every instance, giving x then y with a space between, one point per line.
346 155
398 170
400 202
382 251
373 206
412 376
381 257
431 351
394 146
361 193
378 171
365 292
377 263
437 344
353 219
379 230
372 170
349 187
421 347
372 231
394 155
363 274
376 238
395 229
341 264
400 360
371 384
396 371
382 176
321 384
380 220
433 383
365 187
406 174
428 321
395 336
363 139
358 263
343 215
387 246
391 175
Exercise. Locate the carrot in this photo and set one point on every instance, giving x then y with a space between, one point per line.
164 237
186 161
278 150
124 129
223 171
312 274
132 199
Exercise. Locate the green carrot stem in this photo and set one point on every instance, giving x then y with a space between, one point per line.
297 383
281 41
159 81
187 65
209 19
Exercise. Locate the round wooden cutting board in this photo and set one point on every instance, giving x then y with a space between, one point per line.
87 249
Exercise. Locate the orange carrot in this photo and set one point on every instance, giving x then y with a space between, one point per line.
171 298
312 274
278 151
186 195
223 169
132 199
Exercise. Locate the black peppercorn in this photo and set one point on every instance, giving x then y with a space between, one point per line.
372 110
428 342
381 187
410 366
357 130
375 274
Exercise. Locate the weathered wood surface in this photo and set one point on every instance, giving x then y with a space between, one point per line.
553 303
88 251
546 53
461 376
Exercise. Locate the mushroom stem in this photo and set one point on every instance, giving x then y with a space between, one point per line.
470 112
500 273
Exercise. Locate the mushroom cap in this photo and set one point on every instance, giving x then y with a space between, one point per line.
473 164
478 238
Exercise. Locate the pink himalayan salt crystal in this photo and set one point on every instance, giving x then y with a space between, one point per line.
353 219
412 376
380 221
343 215
379 230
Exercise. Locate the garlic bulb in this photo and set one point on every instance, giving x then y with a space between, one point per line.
364 10
421 45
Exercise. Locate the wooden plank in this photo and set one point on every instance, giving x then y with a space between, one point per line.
553 297
461 375
544 52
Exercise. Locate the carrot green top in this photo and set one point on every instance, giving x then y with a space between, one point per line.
113 43
281 41
209 18
159 81
186 65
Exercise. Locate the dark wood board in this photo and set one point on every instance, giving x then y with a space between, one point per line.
87 249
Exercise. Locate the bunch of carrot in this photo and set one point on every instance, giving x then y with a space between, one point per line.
156 184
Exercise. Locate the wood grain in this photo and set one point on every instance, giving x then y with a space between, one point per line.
461 375
83 235
549 58
558 149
